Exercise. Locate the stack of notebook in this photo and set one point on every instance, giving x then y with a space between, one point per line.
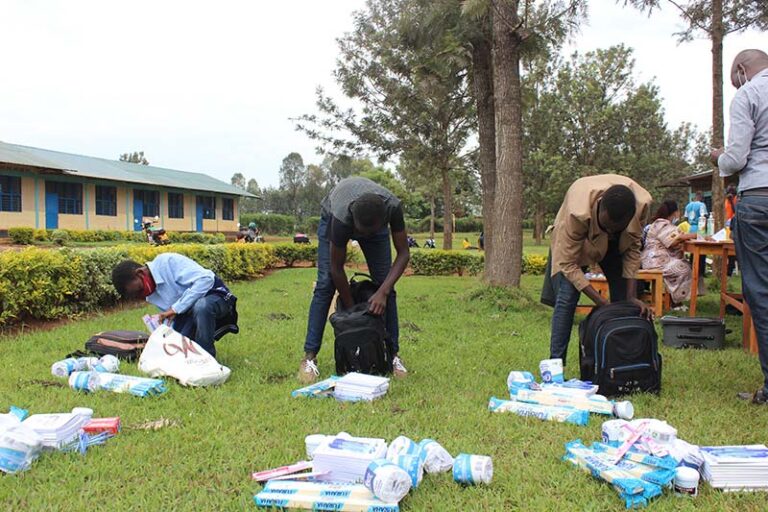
56 430
346 458
736 467
358 386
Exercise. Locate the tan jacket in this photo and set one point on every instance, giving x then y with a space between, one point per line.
578 241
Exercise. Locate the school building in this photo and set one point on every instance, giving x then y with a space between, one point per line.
40 188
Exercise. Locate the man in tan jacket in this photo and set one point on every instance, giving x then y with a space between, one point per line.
600 223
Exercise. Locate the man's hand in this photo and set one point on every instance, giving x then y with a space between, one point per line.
645 310
168 315
714 155
378 303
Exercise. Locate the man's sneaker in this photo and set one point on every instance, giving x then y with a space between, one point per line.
398 368
308 370
758 398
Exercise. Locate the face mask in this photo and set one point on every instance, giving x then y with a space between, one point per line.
149 285
738 77
675 220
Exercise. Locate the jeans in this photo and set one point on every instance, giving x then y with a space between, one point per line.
751 236
568 298
205 312
378 255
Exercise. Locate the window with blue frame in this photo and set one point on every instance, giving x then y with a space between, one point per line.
151 201
175 205
10 194
70 196
208 204
228 209
106 201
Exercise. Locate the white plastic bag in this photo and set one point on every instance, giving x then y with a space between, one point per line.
168 353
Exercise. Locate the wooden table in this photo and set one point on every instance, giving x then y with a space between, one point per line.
736 300
656 279
700 248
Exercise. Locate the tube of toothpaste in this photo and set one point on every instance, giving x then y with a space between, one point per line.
630 500
597 403
542 412
572 387
667 462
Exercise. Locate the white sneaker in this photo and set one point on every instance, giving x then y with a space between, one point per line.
308 371
398 368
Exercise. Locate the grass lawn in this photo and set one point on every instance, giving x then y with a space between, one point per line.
459 350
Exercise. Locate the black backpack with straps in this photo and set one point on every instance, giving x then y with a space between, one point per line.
619 350
361 338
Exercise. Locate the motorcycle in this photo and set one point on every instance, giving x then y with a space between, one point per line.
155 235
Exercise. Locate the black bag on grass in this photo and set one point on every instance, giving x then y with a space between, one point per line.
361 338
121 344
619 350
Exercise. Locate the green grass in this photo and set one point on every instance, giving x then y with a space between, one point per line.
459 348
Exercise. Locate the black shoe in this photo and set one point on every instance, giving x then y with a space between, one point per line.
760 397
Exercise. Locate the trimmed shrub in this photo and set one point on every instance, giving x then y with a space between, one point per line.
197 238
42 235
48 284
60 237
534 264
270 223
22 236
290 253
436 262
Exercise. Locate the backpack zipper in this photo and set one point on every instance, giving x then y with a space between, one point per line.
600 329
628 368
602 358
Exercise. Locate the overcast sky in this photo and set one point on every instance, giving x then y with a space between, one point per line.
210 86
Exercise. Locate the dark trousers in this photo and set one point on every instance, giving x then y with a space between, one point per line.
378 255
750 233
205 314
567 299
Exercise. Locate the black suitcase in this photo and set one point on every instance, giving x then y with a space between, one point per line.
693 332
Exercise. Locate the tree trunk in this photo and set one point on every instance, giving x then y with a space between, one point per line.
538 223
447 208
506 267
718 139
482 78
432 217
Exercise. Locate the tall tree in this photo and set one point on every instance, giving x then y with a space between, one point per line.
715 19
238 180
292 180
137 157
412 91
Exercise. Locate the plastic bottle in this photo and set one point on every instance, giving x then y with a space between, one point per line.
711 225
702 226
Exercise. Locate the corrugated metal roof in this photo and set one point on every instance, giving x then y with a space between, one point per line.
101 168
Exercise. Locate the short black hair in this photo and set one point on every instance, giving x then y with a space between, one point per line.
369 211
123 273
619 203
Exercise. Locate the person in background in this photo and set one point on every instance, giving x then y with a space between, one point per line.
600 222
357 209
746 156
695 210
731 199
664 250
196 302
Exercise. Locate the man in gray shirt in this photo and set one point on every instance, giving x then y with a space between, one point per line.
357 209
747 155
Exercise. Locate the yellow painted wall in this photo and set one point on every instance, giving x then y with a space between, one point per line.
26 217
67 221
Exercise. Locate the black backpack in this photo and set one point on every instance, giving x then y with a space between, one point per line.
121 344
361 338
619 350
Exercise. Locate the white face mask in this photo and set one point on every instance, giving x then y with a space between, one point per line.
738 77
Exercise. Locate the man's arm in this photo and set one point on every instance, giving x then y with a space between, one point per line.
378 301
338 276
189 274
742 130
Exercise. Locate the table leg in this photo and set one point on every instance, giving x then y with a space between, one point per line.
658 296
723 281
695 281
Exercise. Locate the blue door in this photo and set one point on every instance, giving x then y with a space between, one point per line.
200 209
138 214
51 210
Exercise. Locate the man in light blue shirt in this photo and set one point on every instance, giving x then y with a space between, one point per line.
694 211
747 155
194 299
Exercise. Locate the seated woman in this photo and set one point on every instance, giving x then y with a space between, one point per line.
664 250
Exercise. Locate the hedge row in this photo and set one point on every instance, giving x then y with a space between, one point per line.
26 236
45 284
437 262
276 224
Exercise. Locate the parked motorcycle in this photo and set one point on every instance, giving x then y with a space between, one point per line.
155 235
